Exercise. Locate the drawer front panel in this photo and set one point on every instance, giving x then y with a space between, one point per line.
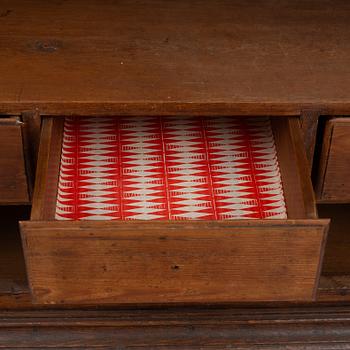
173 262
13 180
334 173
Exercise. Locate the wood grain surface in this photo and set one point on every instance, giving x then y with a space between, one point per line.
47 171
173 262
169 57
297 328
334 170
14 291
13 179
31 138
294 168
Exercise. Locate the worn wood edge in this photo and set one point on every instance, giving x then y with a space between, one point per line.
41 172
304 169
54 162
27 260
176 225
324 157
26 165
307 328
321 259
146 108
205 315
29 166
309 124
340 120
31 138
330 292
9 120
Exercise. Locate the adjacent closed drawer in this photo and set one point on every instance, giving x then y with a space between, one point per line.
333 176
169 261
13 180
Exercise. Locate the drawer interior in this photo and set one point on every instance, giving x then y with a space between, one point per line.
174 245
154 168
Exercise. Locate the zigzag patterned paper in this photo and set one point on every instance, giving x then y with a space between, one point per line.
169 168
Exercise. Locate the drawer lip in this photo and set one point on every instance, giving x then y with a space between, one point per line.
286 253
101 225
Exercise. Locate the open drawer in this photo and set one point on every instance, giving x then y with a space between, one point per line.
267 248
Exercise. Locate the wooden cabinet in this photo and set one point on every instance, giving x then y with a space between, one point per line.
13 179
126 262
333 176
174 58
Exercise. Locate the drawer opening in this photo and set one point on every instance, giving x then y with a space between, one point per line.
154 168
208 256
168 168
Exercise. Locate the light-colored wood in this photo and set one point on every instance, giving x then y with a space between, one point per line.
13 179
170 57
173 262
333 183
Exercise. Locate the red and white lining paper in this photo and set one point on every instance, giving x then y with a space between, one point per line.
169 168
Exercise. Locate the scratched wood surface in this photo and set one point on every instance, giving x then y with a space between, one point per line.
154 56
173 262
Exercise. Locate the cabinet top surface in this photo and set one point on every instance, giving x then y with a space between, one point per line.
150 55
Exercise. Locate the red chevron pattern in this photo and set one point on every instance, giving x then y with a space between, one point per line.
169 168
